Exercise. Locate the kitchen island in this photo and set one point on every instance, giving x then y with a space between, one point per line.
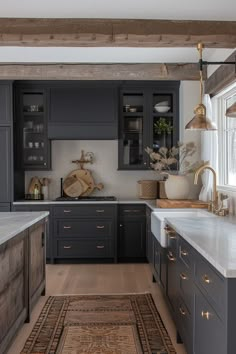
22 269
202 282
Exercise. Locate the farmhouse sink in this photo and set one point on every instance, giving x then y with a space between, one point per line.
158 220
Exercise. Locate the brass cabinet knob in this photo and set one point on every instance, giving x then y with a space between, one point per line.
67 227
183 276
206 315
100 226
184 253
171 257
206 279
67 211
100 210
67 247
100 247
183 313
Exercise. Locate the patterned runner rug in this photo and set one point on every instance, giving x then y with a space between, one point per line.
99 324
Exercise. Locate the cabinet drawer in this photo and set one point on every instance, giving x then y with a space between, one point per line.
85 248
210 331
98 210
184 321
185 254
132 210
83 228
212 284
184 276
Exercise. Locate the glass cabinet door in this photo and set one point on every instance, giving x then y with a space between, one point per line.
163 124
132 131
35 142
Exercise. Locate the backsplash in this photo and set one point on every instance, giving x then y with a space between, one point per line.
122 184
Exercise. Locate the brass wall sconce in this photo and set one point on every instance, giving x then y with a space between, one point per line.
200 120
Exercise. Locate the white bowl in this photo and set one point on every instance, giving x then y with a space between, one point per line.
162 109
163 103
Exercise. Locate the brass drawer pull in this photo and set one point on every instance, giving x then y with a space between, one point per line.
100 211
67 227
100 226
184 253
100 247
67 247
206 315
183 276
132 211
206 279
171 257
67 211
183 313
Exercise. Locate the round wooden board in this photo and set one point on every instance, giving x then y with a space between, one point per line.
86 177
72 186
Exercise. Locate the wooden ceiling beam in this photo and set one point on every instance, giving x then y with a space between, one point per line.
116 33
224 76
100 71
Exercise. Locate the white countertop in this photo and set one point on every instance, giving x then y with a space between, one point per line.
12 223
214 238
150 203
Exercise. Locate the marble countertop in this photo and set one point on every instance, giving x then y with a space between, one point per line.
150 203
214 238
12 223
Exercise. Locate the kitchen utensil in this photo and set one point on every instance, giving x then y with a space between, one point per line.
86 177
72 186
162 109
163 103
183 203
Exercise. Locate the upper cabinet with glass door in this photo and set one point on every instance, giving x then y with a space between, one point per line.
165 118
149 116
32 111
133 130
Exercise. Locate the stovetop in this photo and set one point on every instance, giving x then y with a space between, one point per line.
88 198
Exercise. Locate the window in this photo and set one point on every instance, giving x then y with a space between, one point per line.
226 138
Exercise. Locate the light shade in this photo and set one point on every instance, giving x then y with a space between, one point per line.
231 111
200 121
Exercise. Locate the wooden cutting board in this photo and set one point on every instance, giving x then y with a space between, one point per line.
72 187
181 203
87 178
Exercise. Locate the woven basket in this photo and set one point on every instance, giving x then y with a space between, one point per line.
147 189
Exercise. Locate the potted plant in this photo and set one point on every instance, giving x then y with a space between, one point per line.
162 125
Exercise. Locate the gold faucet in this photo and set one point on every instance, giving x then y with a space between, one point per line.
214 202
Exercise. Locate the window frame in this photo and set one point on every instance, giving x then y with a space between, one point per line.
219 104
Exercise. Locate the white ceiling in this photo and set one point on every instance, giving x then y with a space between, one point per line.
140 9
147 9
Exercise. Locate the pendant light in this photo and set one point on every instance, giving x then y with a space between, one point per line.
231 111
200 121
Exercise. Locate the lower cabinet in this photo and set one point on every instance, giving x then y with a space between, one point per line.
22 274
201 300
84 232
132 232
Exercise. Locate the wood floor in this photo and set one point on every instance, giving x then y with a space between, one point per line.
99 279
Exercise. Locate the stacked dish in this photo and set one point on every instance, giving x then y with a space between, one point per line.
162 107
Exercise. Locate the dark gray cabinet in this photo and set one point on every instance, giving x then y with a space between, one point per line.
132 233
149 237
138 118
84 232
5 103
86 110
202 300
6 146
6 180
31 127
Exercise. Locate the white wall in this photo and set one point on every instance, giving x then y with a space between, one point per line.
119 183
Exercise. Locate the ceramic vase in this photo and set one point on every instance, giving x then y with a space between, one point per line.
177 187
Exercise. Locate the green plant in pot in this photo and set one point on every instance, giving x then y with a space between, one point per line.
162 125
